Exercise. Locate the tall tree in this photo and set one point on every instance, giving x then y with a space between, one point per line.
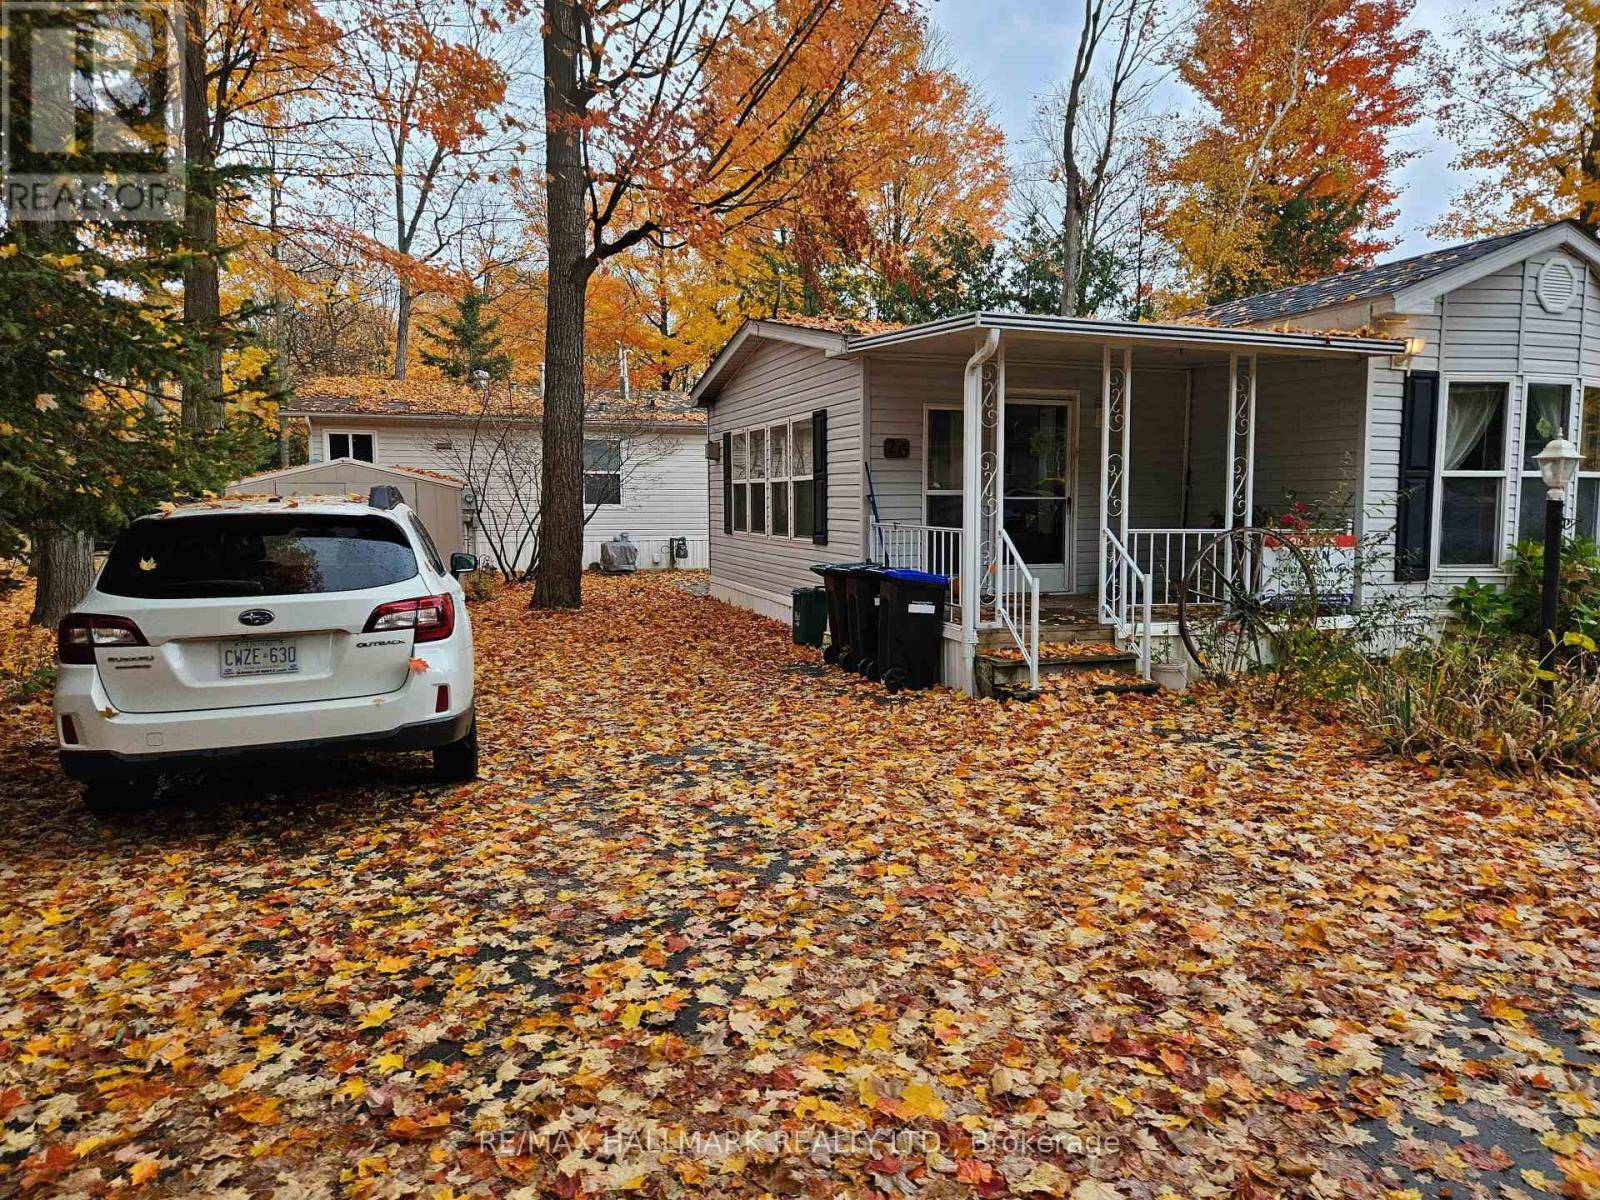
466 342
1521 86
91 350
1111 79
672 118
246 63
1304 99
430 94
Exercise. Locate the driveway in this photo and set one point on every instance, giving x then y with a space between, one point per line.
719 920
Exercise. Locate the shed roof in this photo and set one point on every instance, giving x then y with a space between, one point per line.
380 396
318 468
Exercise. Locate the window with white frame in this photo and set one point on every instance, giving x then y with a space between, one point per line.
758 481
1546 413
1587 523
801 459
942 465
740 472
1473 474
351 445
778 479
602 471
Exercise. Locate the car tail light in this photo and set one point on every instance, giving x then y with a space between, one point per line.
79 634
441 701
433 617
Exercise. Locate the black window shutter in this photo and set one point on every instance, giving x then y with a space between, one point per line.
819 477
727 483
1419 428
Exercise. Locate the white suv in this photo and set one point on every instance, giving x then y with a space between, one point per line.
250 629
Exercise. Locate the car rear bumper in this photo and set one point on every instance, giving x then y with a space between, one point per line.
109 743
86 765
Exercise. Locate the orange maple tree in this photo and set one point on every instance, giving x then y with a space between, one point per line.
1289 174
1522 103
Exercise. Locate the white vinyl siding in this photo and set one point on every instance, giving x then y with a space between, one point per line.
783 382
663 494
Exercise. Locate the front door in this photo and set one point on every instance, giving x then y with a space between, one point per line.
1037 488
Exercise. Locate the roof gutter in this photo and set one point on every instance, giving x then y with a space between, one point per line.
1132 332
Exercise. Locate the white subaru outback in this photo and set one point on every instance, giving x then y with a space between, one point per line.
251 630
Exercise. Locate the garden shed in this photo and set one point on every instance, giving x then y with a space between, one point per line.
435 497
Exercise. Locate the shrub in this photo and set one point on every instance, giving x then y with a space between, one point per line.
481 585
1466 700
1490 611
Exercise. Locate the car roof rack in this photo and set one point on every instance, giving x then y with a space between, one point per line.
385 495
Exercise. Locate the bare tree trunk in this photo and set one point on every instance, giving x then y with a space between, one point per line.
558 577
402 330
202 302
63 562
1589 205
1072 244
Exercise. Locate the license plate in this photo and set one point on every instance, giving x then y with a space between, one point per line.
257 656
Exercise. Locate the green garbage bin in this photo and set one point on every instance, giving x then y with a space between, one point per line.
810 615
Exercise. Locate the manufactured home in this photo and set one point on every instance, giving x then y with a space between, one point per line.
1062 460
644 459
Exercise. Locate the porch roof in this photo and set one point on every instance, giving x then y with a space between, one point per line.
1068 330
1051 336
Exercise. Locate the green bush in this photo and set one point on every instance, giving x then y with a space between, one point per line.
1514 610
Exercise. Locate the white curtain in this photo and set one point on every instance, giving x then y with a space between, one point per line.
1471 411
1547 418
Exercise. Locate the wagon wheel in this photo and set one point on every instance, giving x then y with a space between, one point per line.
1246 594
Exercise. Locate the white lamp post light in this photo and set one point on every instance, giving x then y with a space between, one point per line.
1558 464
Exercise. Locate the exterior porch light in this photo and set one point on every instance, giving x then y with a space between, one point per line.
1558 463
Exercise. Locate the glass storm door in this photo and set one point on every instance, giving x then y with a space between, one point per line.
1038 487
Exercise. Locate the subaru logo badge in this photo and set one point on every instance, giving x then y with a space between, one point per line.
256 616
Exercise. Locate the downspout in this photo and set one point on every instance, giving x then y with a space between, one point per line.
971 497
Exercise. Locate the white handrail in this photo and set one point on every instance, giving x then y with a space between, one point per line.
1123 574
912 546
1016 604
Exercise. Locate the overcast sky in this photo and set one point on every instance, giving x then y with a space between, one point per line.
1015 50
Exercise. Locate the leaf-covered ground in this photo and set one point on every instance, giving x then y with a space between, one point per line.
719 920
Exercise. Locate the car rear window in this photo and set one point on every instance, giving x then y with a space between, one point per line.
257 554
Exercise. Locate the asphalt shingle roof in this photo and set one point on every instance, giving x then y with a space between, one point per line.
1353 286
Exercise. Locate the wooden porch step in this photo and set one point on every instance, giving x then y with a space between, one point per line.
1051 631
1006 673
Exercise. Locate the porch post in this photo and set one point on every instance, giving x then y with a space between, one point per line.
972 488
1115 443
1241 469
995 483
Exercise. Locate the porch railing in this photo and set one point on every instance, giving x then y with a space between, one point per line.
910 546
1128 599
1016 604
1166 556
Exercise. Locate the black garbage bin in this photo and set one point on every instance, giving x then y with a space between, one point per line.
912 639
862 586
835 577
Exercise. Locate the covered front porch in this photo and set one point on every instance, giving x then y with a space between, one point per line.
1094 460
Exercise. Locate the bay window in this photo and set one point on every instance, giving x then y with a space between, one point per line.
1473 475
